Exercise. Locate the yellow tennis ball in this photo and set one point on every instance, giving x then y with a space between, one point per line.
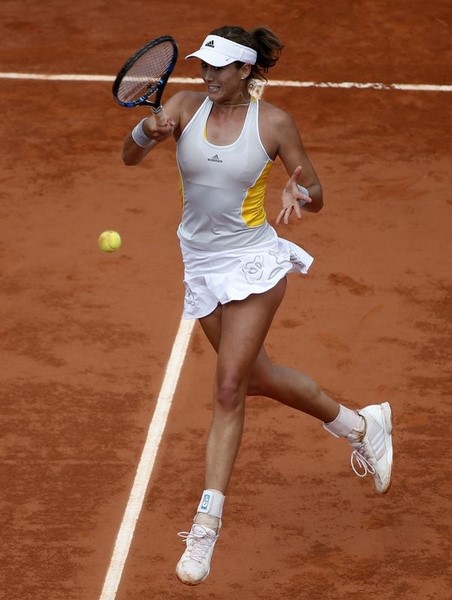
109 241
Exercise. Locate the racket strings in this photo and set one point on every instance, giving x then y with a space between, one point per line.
145 73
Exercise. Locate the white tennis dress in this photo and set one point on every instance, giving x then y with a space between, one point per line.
228 247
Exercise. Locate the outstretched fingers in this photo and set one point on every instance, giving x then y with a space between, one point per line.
292 199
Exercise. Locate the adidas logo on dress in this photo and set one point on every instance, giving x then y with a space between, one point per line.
215 158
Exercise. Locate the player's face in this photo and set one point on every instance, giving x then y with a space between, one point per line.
223 83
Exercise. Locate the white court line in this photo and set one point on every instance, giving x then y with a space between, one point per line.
410 87
147 460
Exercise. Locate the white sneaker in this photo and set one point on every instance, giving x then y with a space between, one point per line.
194 565
373 449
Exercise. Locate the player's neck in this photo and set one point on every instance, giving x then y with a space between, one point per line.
242 99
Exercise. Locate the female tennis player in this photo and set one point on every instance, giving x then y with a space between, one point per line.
236 265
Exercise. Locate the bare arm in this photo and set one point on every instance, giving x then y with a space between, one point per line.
282 138
300 171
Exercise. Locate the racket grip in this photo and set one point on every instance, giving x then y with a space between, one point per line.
160 116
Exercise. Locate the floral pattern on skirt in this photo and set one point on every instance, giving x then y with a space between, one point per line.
213 278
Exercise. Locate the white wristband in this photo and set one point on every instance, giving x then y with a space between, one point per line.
140 138
304 191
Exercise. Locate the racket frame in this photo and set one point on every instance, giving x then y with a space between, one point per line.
153 88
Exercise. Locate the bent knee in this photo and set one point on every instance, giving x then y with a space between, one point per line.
230 394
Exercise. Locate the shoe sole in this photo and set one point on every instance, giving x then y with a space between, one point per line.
388 424
192 583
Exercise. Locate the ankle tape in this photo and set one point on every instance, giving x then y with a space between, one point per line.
211 503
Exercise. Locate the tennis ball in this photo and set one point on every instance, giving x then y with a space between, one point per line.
109 241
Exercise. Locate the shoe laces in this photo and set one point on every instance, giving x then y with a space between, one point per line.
198 542
360 460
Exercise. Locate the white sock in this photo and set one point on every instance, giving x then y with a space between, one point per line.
346 421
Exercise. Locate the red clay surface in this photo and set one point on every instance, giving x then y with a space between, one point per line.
85 336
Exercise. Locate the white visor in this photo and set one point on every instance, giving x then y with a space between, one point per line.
219 52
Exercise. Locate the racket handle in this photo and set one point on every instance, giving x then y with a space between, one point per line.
160 116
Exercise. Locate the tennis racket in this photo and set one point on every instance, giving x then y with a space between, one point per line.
142 79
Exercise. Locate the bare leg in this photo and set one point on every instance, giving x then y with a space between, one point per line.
288 386
241 331
292 388
244 326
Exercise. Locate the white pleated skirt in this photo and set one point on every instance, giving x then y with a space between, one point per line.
213 278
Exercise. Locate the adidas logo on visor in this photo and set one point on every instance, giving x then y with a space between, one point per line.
210 44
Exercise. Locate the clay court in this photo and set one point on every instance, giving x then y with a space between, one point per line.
86 337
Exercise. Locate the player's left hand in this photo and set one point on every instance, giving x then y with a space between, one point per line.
290 197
